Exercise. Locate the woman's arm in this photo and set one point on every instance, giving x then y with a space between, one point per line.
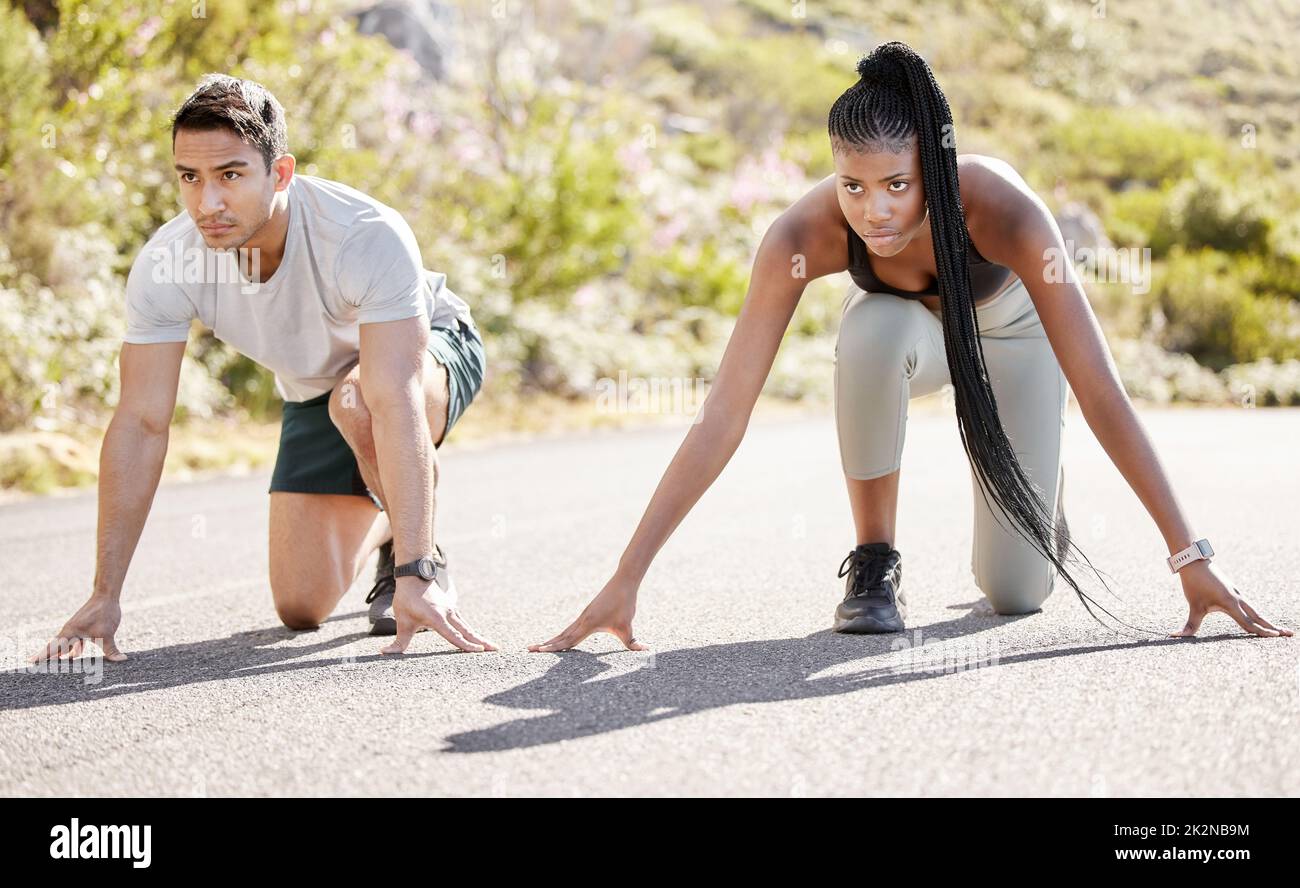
1019 231
774 293
799 246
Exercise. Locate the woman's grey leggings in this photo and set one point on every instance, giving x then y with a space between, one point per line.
891 349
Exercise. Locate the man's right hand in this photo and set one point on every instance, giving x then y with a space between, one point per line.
130 464
96 622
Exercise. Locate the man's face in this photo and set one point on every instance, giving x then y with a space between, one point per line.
882 196
225 185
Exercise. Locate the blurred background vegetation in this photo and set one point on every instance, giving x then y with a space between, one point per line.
594 177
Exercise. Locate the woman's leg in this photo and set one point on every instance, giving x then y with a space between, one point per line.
1032 393
886 354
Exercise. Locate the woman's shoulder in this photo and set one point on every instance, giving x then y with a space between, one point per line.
993 195
816 224
991 184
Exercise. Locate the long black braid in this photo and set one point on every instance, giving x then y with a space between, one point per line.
896 98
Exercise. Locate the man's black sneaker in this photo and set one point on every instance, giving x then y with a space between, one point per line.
380 599
873 598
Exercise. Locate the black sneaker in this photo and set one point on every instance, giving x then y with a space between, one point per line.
380 599
873 599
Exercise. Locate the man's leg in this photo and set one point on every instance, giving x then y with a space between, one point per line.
348 410
453 370
319 543
453 367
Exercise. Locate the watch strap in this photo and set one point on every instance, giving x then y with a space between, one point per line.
431 562
1195 552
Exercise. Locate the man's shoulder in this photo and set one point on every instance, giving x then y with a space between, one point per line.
340 204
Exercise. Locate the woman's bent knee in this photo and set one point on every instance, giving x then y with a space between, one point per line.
1016 597
879 328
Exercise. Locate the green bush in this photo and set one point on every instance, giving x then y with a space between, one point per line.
60 340
547 177
1202 305
1125 147
1205 210
1134 214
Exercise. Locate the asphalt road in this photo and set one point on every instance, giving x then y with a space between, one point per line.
746 691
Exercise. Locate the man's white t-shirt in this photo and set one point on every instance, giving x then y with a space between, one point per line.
348 260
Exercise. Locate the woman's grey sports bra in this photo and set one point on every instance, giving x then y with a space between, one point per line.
985 276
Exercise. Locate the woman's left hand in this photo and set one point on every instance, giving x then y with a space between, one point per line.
1207 591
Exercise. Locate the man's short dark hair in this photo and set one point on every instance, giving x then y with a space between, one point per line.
244 107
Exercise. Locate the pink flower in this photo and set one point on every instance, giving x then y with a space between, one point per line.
634 158
148 30
667 234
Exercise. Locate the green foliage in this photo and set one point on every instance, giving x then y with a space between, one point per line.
33 185
1206 309
777 100
699 274
1134 214
1125 147
1205 210
569 215
1061 48
596 187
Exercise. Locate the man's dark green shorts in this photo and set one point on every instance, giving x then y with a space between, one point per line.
314 458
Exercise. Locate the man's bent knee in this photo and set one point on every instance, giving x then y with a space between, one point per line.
298 621
298 610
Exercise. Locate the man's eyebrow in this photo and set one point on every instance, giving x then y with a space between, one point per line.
230 164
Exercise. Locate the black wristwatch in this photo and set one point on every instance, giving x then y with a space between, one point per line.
425 568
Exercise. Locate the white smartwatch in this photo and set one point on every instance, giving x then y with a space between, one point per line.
1195 552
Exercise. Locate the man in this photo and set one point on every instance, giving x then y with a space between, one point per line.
375 358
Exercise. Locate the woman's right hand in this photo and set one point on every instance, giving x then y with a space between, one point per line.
610 611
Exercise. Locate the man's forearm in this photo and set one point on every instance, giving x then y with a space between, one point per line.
130 464
404 450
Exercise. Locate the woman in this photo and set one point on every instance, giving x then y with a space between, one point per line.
951 284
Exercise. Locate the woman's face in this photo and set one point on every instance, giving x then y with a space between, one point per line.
882 196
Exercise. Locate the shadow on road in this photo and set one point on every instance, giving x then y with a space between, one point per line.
219 659
682 682
578 702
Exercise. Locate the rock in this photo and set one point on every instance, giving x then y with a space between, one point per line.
424 28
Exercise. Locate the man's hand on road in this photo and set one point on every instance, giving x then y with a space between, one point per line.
420 604
96 622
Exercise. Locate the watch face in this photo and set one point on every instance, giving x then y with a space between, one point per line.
426 568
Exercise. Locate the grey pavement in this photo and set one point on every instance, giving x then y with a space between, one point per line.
746 690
